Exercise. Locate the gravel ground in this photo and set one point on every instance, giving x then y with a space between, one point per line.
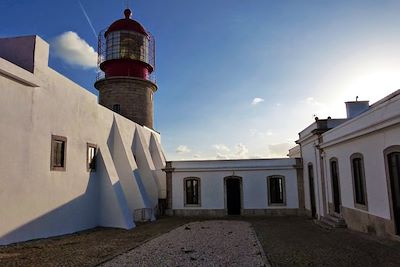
207 243
86 248
287 241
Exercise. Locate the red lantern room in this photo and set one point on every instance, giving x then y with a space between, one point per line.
126 49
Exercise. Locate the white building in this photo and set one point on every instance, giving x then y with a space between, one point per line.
235 187
352 167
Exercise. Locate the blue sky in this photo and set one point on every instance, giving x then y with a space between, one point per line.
214 57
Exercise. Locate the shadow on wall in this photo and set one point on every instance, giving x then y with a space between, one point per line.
87 211
75 215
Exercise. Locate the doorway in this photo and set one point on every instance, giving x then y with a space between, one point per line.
312 191
233 195
393 160
335 186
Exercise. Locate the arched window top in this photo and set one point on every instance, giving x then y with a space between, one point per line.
276 175
391 149
233 177
333 159
357 155
191 178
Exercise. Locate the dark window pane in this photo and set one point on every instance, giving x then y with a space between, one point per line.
192 191
358 177
117 108
91 157
276 190
58 159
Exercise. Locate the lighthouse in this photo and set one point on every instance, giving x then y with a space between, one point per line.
127 61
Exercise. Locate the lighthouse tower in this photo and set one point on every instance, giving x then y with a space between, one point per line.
127 58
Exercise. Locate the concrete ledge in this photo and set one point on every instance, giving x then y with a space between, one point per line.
17 73
367 223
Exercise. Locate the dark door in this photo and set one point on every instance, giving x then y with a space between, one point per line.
312 191
394 173
335 186
233 196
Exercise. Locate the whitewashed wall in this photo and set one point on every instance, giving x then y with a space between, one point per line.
36 202
369 134
254 175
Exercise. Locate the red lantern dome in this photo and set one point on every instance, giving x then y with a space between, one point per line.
126 49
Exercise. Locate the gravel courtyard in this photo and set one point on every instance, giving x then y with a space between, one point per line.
287 241
207 243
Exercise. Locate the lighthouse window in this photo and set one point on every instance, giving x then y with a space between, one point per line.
117 108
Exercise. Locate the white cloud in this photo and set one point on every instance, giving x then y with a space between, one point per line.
182 149
280 150
313 102
260 134
239 151
221 148
221 156
74 50
256 101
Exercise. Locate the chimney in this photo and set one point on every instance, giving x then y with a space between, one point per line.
355 108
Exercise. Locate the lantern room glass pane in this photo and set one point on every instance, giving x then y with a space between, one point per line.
129 45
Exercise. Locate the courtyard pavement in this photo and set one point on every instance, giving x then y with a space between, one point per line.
207 243
287 241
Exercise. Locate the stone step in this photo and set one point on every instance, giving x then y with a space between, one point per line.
333 221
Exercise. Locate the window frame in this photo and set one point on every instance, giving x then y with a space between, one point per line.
386 153
54 139
88 167
357 205
270 203
116 108
198 191
336 160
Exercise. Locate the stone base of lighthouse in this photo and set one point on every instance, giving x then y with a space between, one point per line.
132 96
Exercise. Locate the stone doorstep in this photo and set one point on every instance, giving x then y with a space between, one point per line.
333 221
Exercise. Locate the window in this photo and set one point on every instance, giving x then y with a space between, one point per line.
276 190
58 153
117 108
335 184
192 191
91 157
359 186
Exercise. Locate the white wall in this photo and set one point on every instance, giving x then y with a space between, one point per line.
254 175
369 134
36 202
